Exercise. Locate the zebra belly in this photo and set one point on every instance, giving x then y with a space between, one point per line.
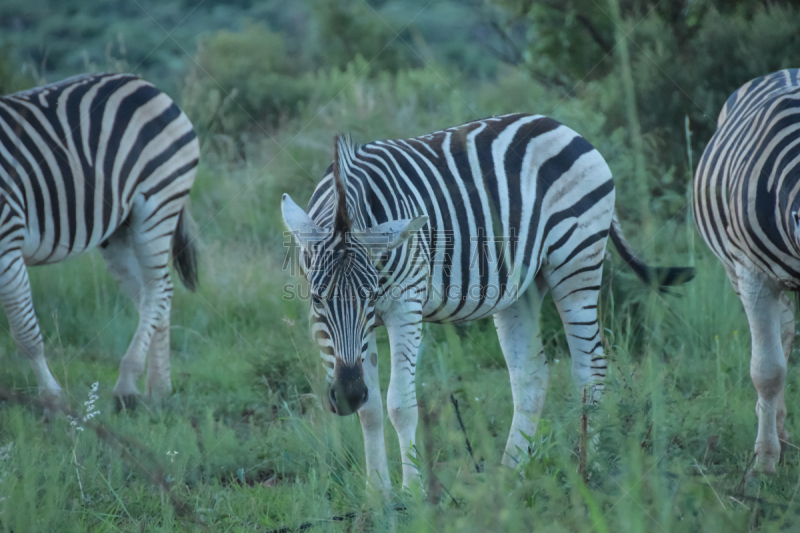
780 267
38 249
472 300
36 252
489 308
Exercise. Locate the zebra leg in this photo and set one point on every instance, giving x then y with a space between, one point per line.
787 331
159 383
15 295
521 341
405 333
787 336
762 303
123 264
149 237
575 294
575 291
371 416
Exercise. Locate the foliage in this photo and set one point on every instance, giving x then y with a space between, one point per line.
11 79
242 76
159 38
562 43
350 28
268 84
686 58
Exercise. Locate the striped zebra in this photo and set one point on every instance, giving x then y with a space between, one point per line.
473 221
97 160
746 204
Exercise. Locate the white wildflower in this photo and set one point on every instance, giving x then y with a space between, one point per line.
89 409
74 422
5 451
172 455
5 455
91 412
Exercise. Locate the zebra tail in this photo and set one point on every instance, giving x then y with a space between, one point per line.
184 250
659 278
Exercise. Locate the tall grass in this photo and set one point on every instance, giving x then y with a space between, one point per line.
255 450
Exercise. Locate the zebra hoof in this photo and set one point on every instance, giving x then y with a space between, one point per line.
764 471
158 395
52 404
126 402
766 467
768 453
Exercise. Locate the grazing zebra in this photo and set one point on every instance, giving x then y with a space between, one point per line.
97 160
746 203
474 221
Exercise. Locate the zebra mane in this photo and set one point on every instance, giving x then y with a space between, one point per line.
343 155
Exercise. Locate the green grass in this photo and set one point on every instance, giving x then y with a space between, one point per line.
255 451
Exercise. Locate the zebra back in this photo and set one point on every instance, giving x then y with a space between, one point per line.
75 154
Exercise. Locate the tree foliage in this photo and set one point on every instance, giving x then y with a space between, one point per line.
687 56
244 64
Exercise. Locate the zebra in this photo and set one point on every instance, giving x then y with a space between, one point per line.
746 204
465 223
97 160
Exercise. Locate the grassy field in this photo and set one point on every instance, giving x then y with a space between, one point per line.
243 444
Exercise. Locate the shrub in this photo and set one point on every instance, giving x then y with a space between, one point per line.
347 28
12 78
244 77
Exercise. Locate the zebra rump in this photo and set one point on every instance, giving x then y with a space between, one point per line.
98 161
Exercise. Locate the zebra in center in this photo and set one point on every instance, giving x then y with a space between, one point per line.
98 160
474 221
746 204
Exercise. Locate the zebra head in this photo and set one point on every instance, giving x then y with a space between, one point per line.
339 262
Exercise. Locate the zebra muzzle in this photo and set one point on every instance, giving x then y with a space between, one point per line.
348 392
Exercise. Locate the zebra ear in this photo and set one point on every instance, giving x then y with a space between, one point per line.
299 223
390 235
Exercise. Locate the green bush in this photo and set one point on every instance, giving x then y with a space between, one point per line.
12 78
674 79
244 77
685 61
254 78
348 28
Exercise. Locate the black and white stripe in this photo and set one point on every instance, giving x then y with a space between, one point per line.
97 160
508 209
746 204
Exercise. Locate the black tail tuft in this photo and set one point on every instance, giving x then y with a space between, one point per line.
662 278
184 251
659 278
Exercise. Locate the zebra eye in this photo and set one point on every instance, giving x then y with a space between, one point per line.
317 303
